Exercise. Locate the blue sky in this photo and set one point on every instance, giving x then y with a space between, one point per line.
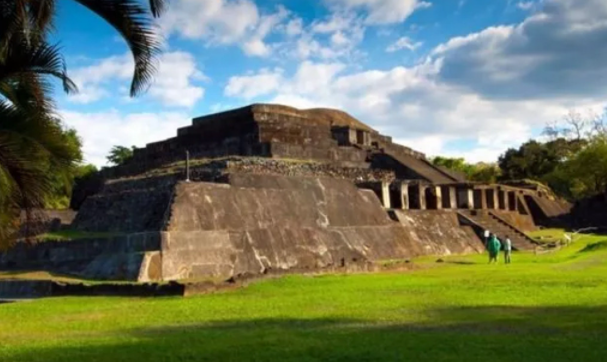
466 78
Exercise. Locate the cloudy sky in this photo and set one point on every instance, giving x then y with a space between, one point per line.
465 78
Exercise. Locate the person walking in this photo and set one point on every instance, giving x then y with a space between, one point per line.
486 235
493 246
507 249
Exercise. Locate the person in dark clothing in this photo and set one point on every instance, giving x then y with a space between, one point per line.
493 246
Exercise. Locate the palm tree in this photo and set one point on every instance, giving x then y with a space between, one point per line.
31 145
31 138
34 19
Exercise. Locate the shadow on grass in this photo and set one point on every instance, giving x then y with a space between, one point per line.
458 334
461 262
600 245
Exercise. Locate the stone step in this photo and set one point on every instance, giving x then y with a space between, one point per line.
519 240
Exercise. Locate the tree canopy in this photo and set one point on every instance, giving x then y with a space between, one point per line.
39 158
119 155
571 161
480 172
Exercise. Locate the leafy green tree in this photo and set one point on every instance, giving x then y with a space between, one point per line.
535 160
480 172
62 180
587 169
33 151
453 164
119 155
485 172
32 141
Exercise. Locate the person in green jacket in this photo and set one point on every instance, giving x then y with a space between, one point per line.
493 246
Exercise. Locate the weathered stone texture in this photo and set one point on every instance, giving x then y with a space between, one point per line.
42 221
276 131
255 224
438 232
130 205
280 223
116 257
522 222
268 200
353 171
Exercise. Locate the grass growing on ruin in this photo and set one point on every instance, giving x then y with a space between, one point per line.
550 307
66 235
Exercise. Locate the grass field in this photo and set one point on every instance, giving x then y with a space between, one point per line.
550 307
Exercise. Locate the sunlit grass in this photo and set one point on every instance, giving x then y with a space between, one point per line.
65 235
550 307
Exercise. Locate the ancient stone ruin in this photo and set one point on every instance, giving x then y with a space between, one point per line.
271 189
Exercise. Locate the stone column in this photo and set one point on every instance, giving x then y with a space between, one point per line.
496 201
439 197
506 200
404 195
421 192
385 195
452 197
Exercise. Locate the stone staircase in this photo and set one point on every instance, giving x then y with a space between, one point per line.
489 221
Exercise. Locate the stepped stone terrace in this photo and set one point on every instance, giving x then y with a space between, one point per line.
266 138
272 188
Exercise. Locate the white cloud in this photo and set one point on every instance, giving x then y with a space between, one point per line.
488 90
557 52
227 22
335 37
255 45
382 11
99 130
339 39
222 21
89 94
251 86
307 47
337 22
411 105
242 23
294 27
525 5
172 85
473 96
403 43
313 77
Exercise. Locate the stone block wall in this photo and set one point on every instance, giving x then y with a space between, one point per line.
127 206
41 221
121 257
439 232
262 223
253 224
266 131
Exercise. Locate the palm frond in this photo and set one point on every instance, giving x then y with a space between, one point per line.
158 7
136 26
13 23
41 15
40 59
31 144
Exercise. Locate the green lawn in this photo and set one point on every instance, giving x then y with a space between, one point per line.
550 307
